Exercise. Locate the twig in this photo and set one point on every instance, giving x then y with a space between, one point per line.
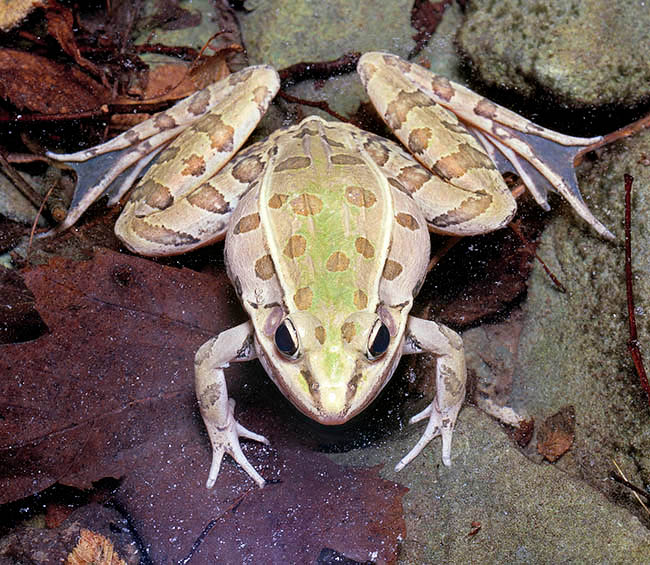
638 493
19 182
633 342
515 228
319 70
625 131
321 104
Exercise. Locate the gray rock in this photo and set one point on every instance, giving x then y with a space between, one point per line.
583 51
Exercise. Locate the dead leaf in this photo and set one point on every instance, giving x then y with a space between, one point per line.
93 549
482 276
109 392
555 436
19 319
60 22
31 82
425 17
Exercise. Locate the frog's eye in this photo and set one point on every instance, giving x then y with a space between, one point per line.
286 339
378 341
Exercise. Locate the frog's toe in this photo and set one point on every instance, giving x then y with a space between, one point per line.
438 425
225 439
246 433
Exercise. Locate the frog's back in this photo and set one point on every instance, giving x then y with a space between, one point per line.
328 219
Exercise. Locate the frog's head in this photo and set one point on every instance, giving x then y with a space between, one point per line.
331 370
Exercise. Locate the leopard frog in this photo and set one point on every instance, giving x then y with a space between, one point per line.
326 231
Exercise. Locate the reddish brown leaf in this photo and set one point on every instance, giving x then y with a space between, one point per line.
60 23
32 82
556 434
425 17
109 392
482 276
19 319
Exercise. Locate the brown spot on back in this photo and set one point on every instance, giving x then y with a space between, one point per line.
408 221
398 109
303 297
360 196
442 87
261 96
264 268
160 234
247 223
486 109
131 136
345 159
377 151
337 262
293 163
348 331
306 204
333 143
469 209
277 201
364 247
392 270
419 139
305 131
412 178
209 198
458 163
199 103
320 334
295 246
248 169
164 121
393 61
360 299
398 185
155 194
194 165
221 135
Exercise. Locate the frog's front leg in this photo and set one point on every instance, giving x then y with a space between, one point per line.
217 410
427 336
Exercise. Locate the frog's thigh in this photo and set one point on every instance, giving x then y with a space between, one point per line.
447 345
483 203
159 224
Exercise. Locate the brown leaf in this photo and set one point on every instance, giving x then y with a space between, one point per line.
93 549
31 82
425 17
482 276
19 319
109 392
60 22
555 436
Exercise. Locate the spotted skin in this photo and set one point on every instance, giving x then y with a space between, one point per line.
326 230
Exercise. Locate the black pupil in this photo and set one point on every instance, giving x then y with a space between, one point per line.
381 341
283 340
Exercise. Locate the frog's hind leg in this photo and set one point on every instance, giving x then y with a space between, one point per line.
448 208
200 134
154 222
412 99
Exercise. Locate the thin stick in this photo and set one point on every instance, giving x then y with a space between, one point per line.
633 342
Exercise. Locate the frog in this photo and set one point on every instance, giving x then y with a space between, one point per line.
327 230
